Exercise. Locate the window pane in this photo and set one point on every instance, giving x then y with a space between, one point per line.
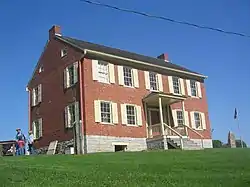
180 118
193 88
153 81
131 115
103 71
105 112
71 75
127 73
197 120
176 85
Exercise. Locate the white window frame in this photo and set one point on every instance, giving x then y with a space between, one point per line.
178 120
110 112
135 115
37 124
196 88
156 81
69 80
200 121
37 95
101 73
69 122
179 85
132 76
63 52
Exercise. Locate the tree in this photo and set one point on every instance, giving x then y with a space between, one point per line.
217 144
238 143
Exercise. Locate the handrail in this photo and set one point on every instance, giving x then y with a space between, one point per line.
175 133
202 137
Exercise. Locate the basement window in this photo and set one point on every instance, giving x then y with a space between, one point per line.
120 148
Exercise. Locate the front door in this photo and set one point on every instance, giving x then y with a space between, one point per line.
154 116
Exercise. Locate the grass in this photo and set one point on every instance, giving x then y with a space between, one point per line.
208 168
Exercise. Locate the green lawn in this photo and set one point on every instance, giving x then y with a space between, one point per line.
216 167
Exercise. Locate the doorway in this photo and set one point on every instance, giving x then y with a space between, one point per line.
154 116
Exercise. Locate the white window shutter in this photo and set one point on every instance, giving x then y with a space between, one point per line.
111 73
66 117
120 75
186 118
135 76
77 112
138 115
147 81
124 114
115 113
170 84
174 113
97 109
94 70
34 130
33 97
40 93
199 89
75 72
192 120
188 87
65 78
182 87
160 86
40 122
203 120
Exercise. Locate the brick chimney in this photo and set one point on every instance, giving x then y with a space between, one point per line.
164 56
55 30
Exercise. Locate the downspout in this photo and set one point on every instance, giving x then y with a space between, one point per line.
83 120
29 115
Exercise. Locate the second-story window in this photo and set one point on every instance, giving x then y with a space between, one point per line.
103 71
71 75
153 81
193 86
37 95
128 76
176 85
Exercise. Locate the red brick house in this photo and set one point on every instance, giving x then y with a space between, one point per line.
123 100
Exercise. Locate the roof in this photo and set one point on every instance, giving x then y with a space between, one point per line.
122 53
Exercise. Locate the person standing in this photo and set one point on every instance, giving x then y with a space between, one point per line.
30 143
20 138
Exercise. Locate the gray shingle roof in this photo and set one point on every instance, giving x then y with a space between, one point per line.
118 52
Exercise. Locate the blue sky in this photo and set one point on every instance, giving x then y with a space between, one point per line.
223 58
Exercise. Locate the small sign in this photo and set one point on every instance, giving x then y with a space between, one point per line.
52 148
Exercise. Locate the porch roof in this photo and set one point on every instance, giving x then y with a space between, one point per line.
153 98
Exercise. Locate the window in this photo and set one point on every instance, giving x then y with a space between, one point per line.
128 76
131 114
153 81
37 128
40 69
70 75
180 118
63 52
106 112
193 87
71 114
176 85
103 71
197 120
37 95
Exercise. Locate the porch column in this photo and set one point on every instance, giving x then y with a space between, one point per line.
148 131
184 117
161 116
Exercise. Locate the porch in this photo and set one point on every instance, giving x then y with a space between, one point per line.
166 126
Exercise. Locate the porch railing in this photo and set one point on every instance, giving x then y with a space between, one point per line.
154 130
201 136
169 131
